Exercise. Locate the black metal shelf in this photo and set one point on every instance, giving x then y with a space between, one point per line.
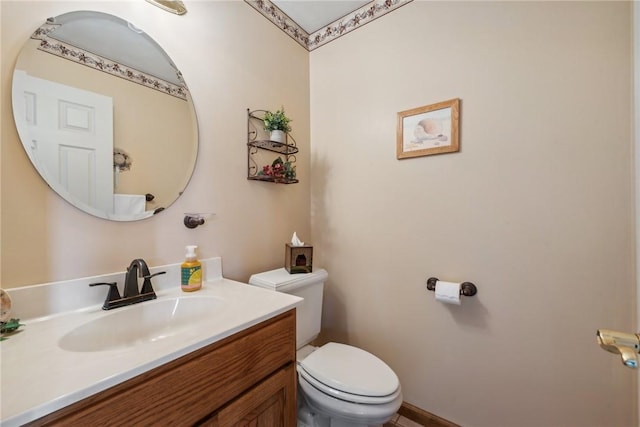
276 147
272 179
257 139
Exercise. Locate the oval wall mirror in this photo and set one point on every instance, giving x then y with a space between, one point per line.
105 116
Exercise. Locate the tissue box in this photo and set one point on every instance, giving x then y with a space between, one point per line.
298 259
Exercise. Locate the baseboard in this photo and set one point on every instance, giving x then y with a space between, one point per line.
423 417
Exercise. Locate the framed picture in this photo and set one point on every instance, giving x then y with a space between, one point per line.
432 129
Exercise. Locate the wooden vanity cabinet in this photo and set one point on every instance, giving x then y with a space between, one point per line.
263 405
247 379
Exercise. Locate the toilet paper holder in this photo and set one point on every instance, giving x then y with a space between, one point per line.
467 289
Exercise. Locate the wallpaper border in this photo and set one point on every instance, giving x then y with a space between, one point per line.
338 28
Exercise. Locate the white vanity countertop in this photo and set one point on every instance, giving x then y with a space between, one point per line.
38 377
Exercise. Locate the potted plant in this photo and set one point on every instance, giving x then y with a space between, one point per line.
277 124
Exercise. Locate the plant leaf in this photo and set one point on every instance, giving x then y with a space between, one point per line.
10 326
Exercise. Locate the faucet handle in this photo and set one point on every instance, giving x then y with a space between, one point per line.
113 294
146 285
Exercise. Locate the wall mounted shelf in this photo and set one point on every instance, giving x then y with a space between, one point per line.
262 166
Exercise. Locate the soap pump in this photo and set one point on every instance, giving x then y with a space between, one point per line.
191 271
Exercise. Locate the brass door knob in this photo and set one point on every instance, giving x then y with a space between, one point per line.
622 343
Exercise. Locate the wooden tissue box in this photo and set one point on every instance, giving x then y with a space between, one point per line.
298 259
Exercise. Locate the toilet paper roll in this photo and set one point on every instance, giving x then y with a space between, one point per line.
448 292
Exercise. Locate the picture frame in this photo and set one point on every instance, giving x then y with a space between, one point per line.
427 130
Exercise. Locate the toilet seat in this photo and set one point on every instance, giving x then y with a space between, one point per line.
344 413
350 374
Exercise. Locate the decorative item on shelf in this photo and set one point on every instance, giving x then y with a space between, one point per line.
298 257
192 220
277 124
279 170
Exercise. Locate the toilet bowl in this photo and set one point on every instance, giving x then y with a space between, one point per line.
348 386
338 385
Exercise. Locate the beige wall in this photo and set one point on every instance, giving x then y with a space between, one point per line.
225 51
536 208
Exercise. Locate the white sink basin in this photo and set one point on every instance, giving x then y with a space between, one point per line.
144 322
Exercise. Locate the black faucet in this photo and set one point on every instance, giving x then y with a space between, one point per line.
137 268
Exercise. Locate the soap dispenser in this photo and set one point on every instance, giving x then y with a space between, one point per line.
191 271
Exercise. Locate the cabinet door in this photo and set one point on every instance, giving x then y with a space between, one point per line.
272 403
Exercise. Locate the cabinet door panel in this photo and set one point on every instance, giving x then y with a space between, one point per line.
272 403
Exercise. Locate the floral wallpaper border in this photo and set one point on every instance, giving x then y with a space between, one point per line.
83 57
338 28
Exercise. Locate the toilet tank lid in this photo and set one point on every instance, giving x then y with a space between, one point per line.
281 280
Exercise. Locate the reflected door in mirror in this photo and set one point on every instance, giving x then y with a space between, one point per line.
71 134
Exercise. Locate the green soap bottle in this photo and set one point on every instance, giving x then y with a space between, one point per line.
191 271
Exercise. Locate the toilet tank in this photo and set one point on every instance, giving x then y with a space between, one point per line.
308 286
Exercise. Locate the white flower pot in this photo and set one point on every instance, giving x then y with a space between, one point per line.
278 136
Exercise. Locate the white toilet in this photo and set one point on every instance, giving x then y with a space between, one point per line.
338 384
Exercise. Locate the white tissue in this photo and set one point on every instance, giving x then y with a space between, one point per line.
448 292
295 241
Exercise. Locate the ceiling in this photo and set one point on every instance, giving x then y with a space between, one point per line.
312 15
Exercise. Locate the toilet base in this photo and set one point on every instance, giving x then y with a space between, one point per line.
308 417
